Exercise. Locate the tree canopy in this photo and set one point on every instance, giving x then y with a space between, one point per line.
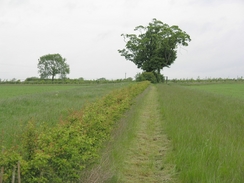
51 65
155 47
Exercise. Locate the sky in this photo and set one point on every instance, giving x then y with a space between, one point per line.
88 34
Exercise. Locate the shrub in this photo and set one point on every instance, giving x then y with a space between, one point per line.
146 76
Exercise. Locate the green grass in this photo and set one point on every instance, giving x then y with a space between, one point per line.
144 160
235 90
43 104
207 131
113 155
137 151
203 123
9 91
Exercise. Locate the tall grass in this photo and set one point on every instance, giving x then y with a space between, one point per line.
9 91
207 132
112 166
60 153
20 104
235 90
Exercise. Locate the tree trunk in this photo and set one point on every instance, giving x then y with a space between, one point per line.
158 75
158 71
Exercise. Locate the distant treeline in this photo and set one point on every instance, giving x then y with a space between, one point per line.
35 80
206 80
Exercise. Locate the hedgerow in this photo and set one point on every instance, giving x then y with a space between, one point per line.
59 154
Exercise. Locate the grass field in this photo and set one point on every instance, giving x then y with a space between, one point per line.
43 104
204 125
10 91
206 130
200 138
195 133
230 90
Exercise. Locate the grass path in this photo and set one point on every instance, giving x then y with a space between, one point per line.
144 158
137 153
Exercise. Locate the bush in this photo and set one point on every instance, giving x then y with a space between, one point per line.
149 76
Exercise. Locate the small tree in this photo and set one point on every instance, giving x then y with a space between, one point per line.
149 76
51 65
155 47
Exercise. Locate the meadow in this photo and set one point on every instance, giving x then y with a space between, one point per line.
206 128
58 151
235 90
47 104
194 132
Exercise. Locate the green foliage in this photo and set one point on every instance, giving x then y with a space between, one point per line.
129 79
43 104
51 65
199 80
160 78
149 76
60 153
146 76
29 141
155 47
139 77
63 80
32 79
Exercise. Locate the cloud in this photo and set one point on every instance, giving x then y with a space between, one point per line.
87 33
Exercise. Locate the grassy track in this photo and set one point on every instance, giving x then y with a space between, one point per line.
143 161
139 152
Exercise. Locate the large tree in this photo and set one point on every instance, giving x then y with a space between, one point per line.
51 65
155 46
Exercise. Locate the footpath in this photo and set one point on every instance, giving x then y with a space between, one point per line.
144 159
138 151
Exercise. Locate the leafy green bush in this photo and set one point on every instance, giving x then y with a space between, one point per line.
146 76
150 76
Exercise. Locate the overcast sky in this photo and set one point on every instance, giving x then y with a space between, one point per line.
87 33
